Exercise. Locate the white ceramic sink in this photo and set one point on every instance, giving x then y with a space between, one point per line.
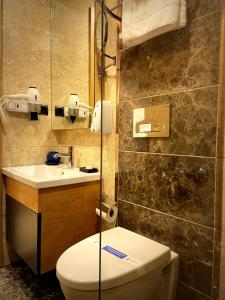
43 176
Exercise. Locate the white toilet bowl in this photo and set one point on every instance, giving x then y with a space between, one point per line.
132 267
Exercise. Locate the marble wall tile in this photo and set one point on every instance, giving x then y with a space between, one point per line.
73 64
200 8
219 265
192 124
182 59
79 137
108 175
221 214
76 3
20 156
27 13
85 138
20 130
220 193
184 292
110 88
70 40
87 156
193 242
222 268
34 49
23 132
62 87
169 184
18 79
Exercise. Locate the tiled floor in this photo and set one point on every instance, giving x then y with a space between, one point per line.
18 282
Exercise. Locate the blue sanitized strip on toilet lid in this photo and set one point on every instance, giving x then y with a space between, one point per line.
114 252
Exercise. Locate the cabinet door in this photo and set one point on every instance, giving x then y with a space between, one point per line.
23 232
68 216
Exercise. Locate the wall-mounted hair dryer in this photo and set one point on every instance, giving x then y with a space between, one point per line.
74 110
24 103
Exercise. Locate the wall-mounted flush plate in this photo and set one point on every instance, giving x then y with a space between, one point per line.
151 121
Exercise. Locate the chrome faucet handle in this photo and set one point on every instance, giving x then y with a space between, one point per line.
69 155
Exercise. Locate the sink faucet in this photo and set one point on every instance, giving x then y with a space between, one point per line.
68 155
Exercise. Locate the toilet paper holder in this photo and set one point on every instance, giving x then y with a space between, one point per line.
108 213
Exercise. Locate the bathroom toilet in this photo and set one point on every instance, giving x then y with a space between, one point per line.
132 267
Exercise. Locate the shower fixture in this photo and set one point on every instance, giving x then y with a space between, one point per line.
102 69
101 36
110 11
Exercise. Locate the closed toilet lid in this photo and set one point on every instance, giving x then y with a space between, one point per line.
125 256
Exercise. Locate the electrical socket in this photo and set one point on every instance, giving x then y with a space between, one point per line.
17 107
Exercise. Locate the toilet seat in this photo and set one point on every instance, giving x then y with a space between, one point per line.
125 257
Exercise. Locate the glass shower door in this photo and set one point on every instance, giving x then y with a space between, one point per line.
108 70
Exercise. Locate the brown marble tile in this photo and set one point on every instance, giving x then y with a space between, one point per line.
193 243
169 184
182 59
219 266
200 8
192 124
220 195
184 292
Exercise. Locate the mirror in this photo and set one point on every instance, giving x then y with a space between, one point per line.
71 38
98 34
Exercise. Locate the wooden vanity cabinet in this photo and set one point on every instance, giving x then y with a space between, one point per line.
42 223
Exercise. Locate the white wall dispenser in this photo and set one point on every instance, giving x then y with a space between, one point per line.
151 121
107 115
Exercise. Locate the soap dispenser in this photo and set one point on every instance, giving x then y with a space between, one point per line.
107 113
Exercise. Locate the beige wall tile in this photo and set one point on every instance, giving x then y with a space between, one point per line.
91 156
110 89
108 174
19 156
87 156
18 79
70 40
21 48
70 57
21 131
78 137
62 87
27 13
77 3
